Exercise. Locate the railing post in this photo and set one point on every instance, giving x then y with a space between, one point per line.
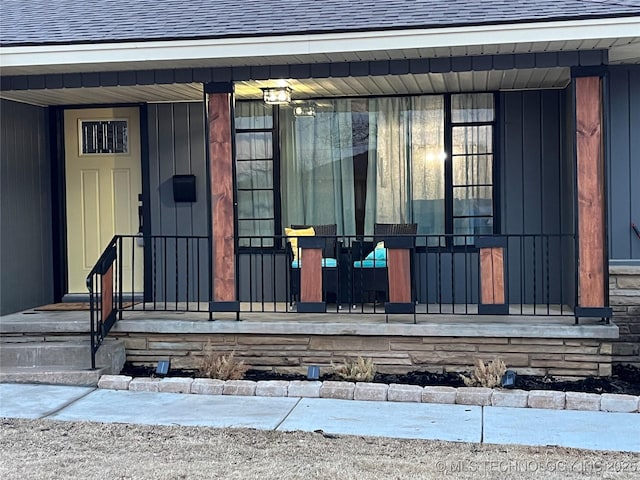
92 316
493 276
311 275
399 273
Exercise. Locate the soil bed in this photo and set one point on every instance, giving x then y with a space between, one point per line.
625 379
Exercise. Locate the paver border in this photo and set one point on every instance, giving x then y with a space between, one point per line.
613 403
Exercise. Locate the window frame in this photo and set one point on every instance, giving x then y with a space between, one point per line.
275 183
101 123
449 244
449 181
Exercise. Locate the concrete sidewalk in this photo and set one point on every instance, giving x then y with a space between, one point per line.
498 425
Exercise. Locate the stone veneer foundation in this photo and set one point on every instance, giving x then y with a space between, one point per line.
562 350
624 298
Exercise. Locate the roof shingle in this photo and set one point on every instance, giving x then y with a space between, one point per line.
89 21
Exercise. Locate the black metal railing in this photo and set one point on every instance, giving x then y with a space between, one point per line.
173 273
103 300
150 273
539 275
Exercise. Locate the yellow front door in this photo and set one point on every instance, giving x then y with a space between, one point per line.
103 180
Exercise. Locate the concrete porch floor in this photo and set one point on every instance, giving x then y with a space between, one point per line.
362 321
284 342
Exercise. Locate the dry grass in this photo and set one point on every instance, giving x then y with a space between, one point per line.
46 449
222 366
489 375
359 370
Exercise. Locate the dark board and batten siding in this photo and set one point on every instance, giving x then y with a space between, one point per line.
177 147
623 157
534 197
26 266
531 161
568 186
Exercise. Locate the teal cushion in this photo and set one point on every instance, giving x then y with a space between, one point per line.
371 263
376 259
378 253
326 262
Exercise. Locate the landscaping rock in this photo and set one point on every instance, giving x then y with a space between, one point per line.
144 384
439 394
370 391
404 393
245 388
474 396
582 401
612 402
114 382
546 399
510 398
341 390
207 386
272 388
175 385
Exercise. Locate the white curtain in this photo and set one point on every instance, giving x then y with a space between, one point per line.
427 163
406 163
317 167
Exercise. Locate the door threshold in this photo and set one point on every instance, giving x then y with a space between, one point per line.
84 297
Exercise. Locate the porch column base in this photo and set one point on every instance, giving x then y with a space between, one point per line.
311 307
224 306
594 312
493 309
395 307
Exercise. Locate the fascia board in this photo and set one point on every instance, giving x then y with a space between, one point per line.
302 45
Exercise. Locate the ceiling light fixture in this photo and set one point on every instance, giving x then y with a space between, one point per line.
276 95
306 109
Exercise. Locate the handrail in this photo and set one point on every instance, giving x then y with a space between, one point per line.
102 307
151 272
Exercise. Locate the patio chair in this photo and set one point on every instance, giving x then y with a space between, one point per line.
330 256
370 276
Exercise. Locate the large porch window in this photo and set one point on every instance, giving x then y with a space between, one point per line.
256 144
424 159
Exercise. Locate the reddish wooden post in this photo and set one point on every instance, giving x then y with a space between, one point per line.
592 260
399 274
493 276
223 255
311 275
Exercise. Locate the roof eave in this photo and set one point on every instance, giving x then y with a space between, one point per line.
137 54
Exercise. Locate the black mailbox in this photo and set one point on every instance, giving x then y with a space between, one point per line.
184 188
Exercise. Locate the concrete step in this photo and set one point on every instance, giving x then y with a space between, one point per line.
52 375
74 354
41 323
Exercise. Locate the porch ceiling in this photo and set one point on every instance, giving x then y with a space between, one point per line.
557 77
617 36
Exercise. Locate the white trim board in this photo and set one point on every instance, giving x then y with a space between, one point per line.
137 54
